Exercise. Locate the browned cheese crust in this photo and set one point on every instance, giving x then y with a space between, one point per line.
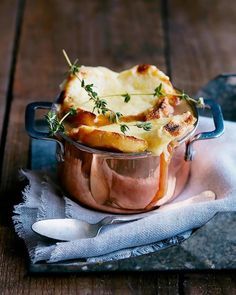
178 128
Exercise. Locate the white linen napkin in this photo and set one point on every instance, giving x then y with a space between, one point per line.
213 169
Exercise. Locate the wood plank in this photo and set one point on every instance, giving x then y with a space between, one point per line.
203 45
214 283
8 19
107 39
15 280
202 41
116 34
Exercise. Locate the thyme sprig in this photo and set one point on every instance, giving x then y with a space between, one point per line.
55 125
147 126
100 105
159 92
199 102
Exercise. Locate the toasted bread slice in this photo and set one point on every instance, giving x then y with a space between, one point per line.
110 137
162 109
87 118
83 117
108 140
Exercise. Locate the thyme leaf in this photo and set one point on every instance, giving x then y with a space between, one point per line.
158 91
114 117
55 125
127 97
72 111
147 126
200 102
124 128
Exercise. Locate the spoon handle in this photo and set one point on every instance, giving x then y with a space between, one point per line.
116 219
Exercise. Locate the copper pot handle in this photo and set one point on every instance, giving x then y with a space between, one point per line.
219 128
30 122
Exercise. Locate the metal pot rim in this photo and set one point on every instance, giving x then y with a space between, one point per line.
188 138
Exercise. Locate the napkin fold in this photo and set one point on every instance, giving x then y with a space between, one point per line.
212 169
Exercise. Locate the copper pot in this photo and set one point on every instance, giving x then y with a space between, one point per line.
121 182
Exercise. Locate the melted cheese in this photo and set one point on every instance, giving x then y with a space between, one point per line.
157 138
106 82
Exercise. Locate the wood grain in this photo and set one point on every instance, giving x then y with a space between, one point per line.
202 45
8 19
116 34
202 41
213 283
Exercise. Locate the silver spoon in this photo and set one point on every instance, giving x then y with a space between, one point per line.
72 229
69 229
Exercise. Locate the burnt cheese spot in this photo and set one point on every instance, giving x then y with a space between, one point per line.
173 128
160 110
142 69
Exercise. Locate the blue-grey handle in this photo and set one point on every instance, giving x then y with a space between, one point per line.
30 119
30 122
219 128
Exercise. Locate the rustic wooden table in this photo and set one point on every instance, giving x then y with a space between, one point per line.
192 41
